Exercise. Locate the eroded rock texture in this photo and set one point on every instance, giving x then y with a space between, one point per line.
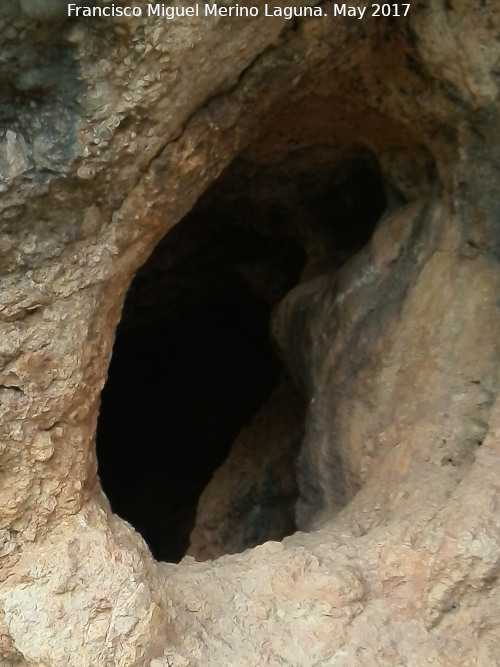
377 140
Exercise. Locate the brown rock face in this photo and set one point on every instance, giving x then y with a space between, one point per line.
332 179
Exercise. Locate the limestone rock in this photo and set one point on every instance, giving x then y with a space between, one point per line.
393 345
251 497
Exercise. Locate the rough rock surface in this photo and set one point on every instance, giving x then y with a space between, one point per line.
107 146
251 497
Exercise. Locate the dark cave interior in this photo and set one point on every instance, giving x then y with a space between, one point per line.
177 395
193 360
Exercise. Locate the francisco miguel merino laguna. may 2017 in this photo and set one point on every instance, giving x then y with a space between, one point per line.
177 11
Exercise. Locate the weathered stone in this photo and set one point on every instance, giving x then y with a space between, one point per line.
394 345
251 497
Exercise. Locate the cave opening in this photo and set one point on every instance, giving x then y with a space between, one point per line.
193 361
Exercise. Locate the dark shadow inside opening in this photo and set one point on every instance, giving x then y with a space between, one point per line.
193 360
192 363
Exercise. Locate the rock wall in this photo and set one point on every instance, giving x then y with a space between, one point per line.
103 149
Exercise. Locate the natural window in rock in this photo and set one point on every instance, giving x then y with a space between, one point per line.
193 362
